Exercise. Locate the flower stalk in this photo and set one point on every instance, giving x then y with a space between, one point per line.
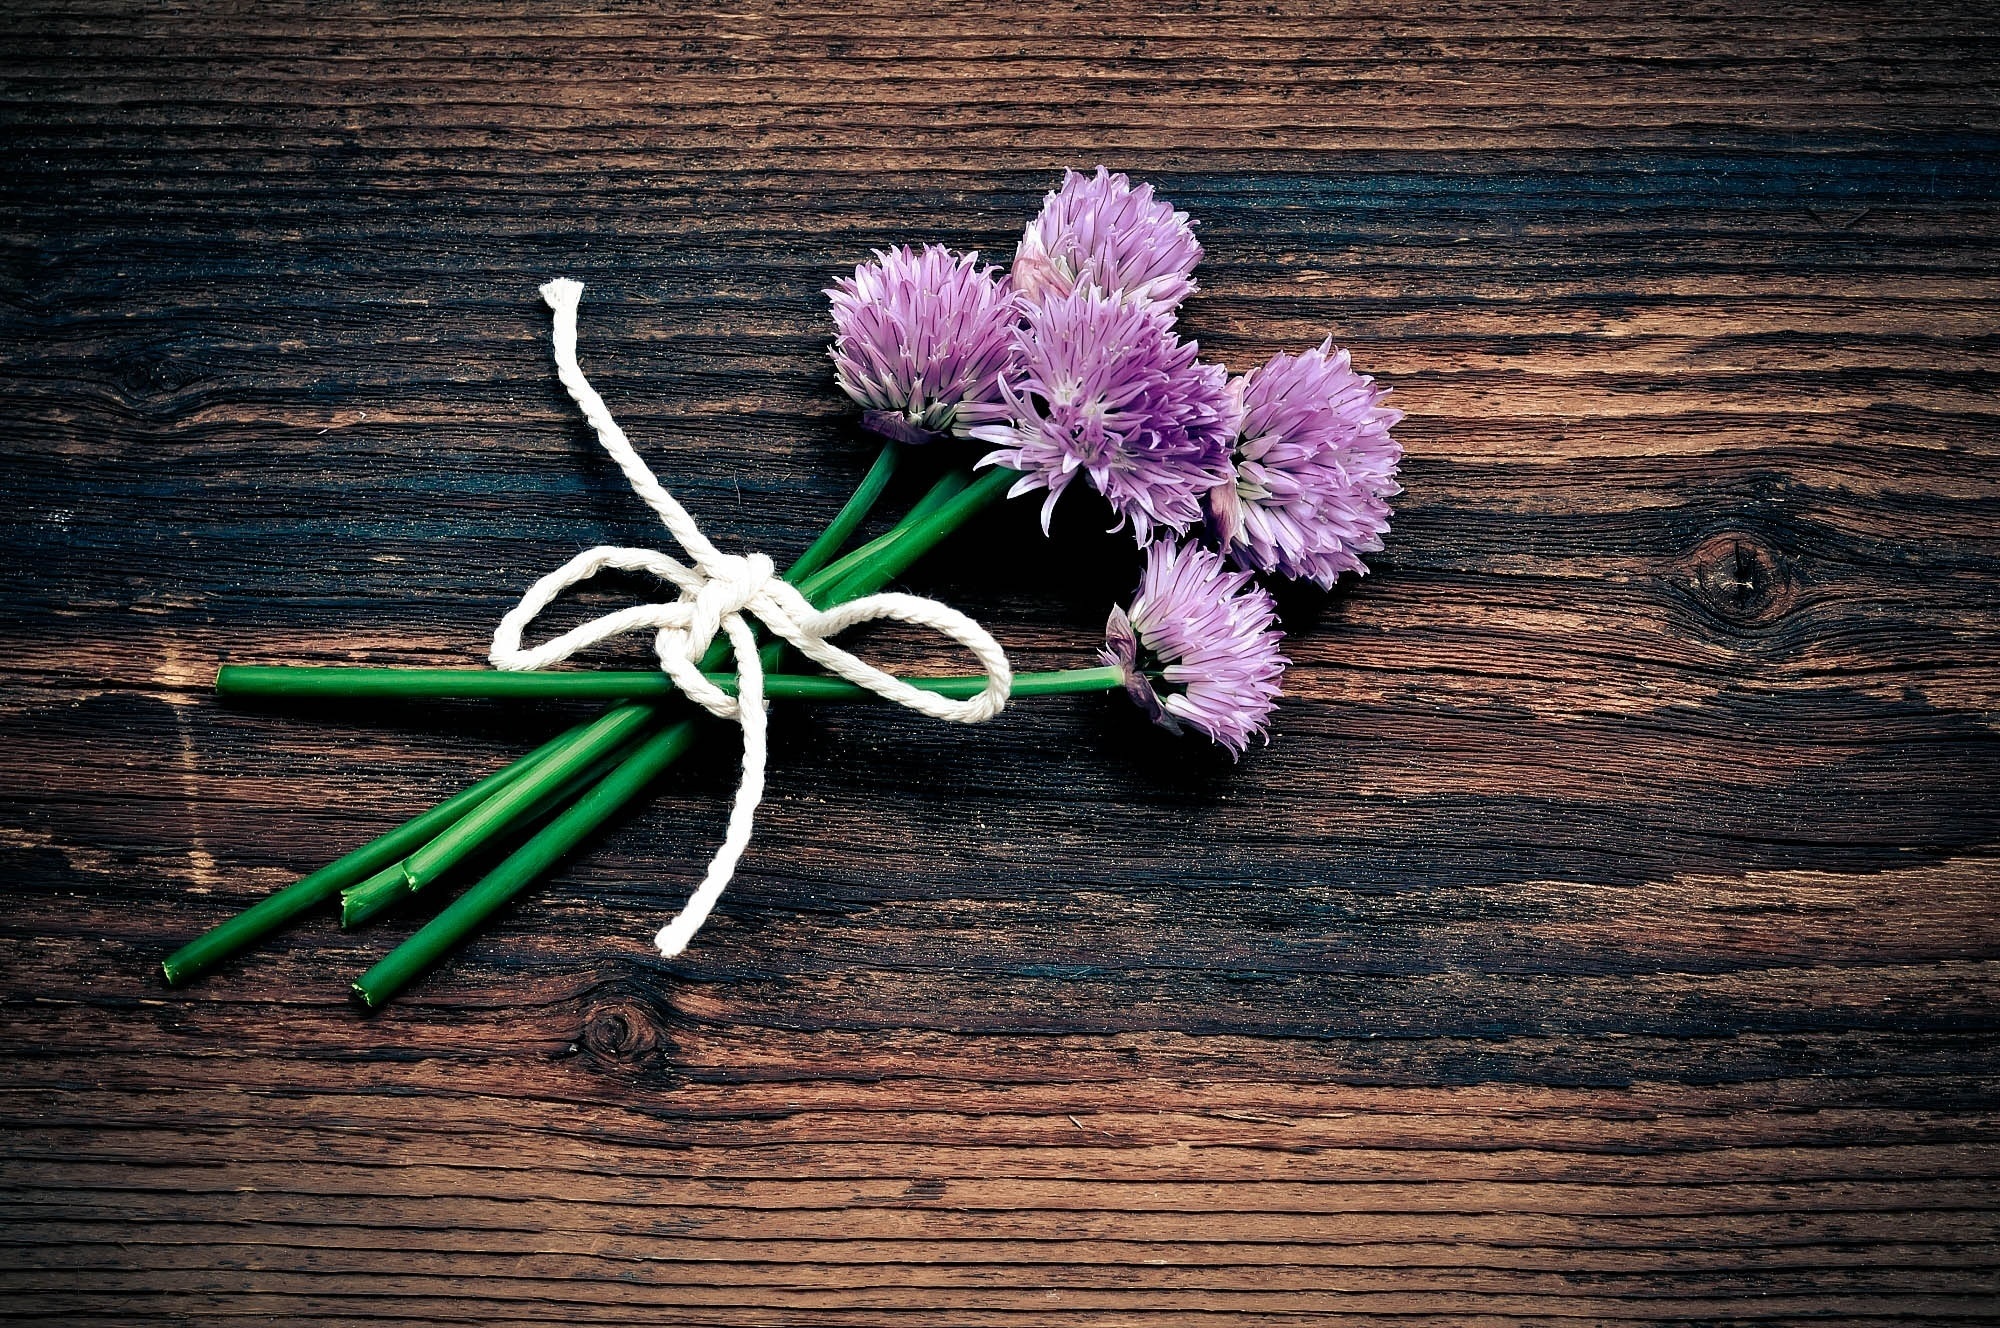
309 892
525 865
290 683
392 886
427 846
920 532
852 513
917 536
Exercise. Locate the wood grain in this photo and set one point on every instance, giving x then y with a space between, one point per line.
1609 933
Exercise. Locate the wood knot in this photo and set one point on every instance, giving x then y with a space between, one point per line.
1740 579
624 1028
154 384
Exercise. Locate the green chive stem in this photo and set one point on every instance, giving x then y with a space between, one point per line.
519 798
466 913
910 542
465 837
365 899
947 487
309 683
259 920
266 916
850 516
912 539
391 886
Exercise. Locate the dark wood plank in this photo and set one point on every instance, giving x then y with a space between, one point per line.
1609 933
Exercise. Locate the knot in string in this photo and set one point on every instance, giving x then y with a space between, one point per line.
719 594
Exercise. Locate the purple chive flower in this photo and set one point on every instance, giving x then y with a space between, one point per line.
1100 231
1314 466
921 337
1101 386
1209 632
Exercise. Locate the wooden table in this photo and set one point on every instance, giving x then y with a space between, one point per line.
1608 933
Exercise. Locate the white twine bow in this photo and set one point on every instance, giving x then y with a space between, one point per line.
717 591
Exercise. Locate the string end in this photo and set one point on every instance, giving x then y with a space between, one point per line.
562 291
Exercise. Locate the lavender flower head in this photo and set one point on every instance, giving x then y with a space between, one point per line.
1102 387
1100 231
921 337
1314 467
1211 631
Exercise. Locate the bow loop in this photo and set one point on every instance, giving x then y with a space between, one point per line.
719 594
508 653
814 644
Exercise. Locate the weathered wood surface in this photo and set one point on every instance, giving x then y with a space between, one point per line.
1609 932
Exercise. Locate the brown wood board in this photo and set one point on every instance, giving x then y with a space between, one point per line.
1608 933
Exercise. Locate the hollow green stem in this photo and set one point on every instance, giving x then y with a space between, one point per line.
911 541
592 744
366 899
542 851
519 798
260 919
851 515
391 886
504 813
595 685
947 487
521 869
631 777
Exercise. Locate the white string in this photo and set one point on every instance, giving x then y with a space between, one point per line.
717 590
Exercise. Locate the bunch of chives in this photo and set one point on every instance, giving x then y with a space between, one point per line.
573 783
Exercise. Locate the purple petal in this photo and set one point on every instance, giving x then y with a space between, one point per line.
1099 231
922 339
1214 635
1315 466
